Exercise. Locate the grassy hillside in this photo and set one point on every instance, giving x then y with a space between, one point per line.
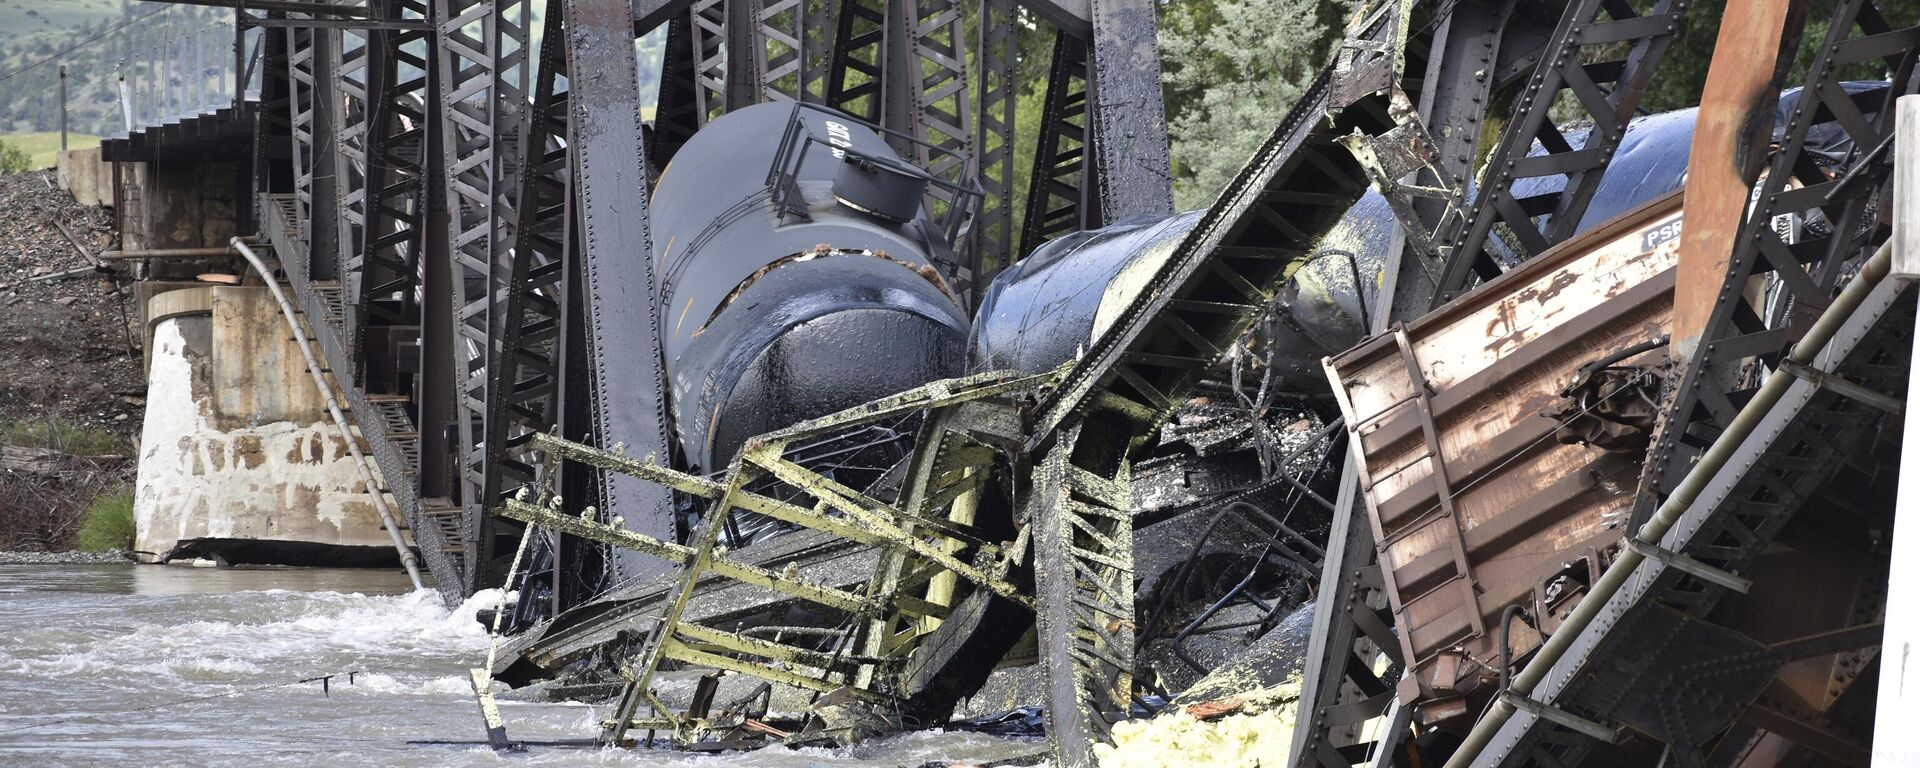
44 144
25 21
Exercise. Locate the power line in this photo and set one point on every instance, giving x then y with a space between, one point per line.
84 43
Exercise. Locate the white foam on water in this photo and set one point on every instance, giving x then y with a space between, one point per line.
276 632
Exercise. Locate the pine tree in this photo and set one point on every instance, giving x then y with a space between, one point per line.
1232 70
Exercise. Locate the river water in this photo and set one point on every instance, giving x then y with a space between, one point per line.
167 666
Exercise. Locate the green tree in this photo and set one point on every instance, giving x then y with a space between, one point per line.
14 159
1232 68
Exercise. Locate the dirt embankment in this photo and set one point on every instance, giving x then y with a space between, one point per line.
72 381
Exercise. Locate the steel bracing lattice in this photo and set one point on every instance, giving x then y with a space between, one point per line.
1600 59
434 190
1057 198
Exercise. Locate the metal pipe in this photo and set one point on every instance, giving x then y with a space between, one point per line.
333 408
1506 637
1716 457
166 253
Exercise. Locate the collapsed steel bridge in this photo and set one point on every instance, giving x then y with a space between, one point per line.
459 225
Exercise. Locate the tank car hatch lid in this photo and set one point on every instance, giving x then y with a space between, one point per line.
880 186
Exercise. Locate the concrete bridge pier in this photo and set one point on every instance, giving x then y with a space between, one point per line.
239 462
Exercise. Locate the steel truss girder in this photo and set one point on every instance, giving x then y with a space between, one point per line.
1343 687
993 141
524 371
1062 178
1226 271
709 20
909 560
1807 272
856 75
482 66
273 125
383 269
1607 92
1804 438
942 108
311 103
349 58
382 87
780 55
1213 287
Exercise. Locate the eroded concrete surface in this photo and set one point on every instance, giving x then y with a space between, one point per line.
236 443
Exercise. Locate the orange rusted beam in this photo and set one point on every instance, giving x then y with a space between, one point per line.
1756 44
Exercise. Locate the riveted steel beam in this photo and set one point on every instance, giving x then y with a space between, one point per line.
1598 64
312 104
1806 267
525 368
993 240
387 262
482 67
1126 113
1353 658
626 385
709 40
349 56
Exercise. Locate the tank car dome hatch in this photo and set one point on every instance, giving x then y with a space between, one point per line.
889 189
776 308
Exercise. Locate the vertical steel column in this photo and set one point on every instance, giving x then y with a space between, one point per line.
482 67
273 121
816 48
348 59
780 50
523 394
396 148
610 175
710 53
436 388
1126 114
942 111
312 93
523 372
746 54
993 141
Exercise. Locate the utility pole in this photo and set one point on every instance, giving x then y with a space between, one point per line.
63 107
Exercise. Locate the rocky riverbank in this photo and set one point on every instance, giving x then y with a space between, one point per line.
109 557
